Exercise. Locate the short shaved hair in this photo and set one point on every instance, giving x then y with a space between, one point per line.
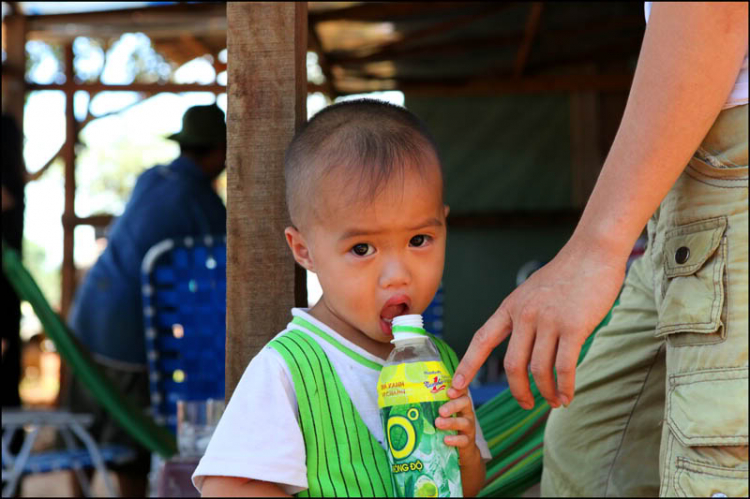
373 140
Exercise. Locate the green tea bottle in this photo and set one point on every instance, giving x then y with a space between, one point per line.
411 388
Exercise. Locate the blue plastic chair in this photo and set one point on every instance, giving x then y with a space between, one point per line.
75 457
434 313
184 299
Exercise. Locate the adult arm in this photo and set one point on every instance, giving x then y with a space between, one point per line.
690 58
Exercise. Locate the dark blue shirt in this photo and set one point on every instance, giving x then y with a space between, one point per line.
169 201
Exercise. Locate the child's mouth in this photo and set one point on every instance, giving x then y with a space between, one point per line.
395 306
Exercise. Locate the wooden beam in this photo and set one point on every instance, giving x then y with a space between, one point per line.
14 83
523 85
267 48
325 66
164 21
195 45
618 52
149 88
513 219
30 177
142 15
69 156
385 11
94 220
456 47
441 28
532 26
460 47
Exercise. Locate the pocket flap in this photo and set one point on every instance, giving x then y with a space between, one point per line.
709 407
687 247
702 480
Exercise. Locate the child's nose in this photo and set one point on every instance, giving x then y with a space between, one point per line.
394 273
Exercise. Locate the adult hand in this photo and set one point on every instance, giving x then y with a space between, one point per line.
549 318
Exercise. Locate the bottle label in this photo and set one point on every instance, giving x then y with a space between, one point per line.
409 397
412 383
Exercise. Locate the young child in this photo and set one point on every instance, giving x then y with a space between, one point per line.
365 196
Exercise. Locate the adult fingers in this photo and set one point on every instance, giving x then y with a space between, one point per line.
495 330
543 362
565 365
517 359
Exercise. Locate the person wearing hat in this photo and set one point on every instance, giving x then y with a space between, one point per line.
168 201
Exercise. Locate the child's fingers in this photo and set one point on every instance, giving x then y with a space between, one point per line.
457 440
454 406
454 393
463 425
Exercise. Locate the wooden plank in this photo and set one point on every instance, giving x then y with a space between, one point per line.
462 46
325 66
441 28
14 27
162 21
94 220
69 156
148 88
267 46
532 26
174 14
385 11
524 85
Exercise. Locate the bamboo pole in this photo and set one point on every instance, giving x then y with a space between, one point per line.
69 156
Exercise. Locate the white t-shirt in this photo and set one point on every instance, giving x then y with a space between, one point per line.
739 94
259 436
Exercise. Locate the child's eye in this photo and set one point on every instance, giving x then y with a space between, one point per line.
419 240
362 249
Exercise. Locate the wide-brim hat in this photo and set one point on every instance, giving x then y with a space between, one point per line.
202 126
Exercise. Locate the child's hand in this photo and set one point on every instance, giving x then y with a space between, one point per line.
464 423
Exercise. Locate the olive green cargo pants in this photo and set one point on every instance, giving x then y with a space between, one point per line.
661 403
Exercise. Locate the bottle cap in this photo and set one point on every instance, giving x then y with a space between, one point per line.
405 327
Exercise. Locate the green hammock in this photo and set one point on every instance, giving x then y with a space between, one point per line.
514 436
128 415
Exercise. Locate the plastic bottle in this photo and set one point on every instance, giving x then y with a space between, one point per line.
411 388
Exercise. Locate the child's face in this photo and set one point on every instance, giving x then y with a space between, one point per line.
380 259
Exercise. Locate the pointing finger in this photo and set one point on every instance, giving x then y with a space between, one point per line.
495 330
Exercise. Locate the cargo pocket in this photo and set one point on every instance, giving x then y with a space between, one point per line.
707 416
693 288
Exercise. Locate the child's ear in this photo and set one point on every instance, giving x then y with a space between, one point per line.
298 245
447 210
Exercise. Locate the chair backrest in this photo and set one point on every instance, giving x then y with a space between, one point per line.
184 306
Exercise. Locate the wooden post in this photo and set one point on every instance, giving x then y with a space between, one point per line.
267 47
69 156
14 90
